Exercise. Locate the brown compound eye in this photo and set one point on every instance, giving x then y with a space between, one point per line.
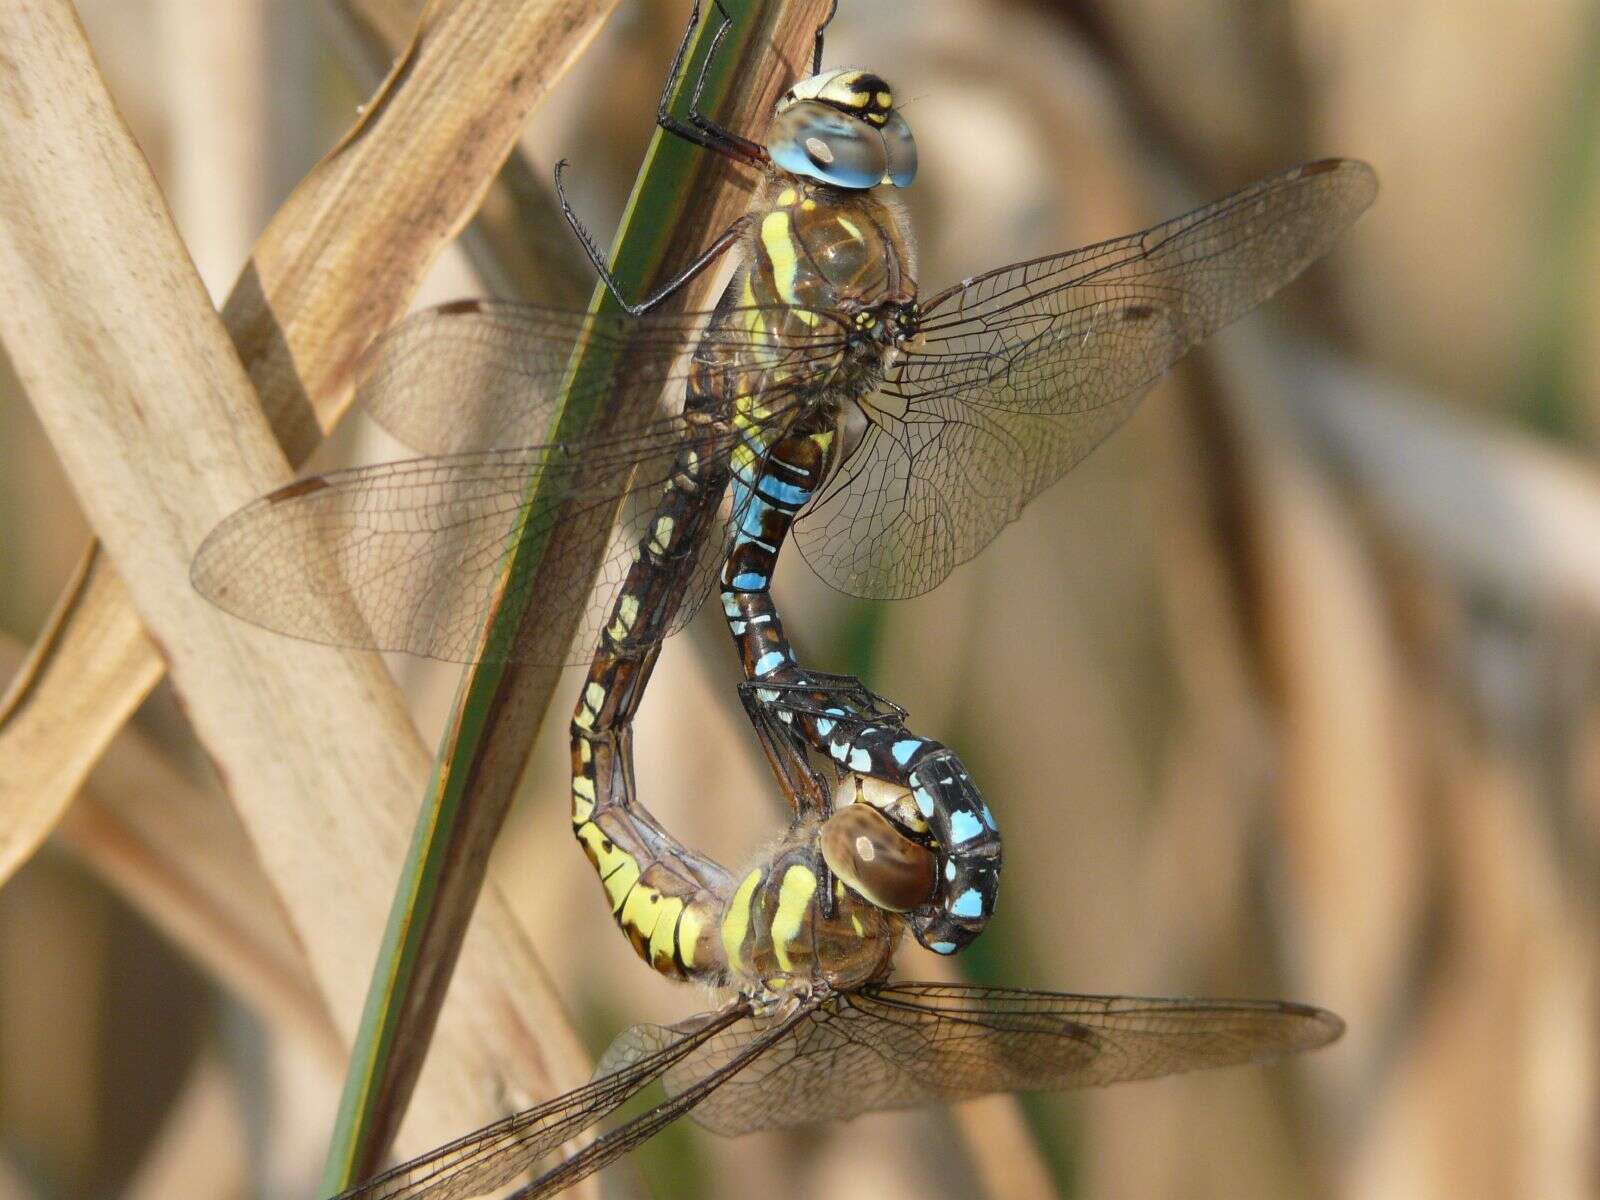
874 858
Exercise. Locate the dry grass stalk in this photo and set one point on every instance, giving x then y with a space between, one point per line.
157 424
335 266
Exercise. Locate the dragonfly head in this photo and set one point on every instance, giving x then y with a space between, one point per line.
863 848
841 128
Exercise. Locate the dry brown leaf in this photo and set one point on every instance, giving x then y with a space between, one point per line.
179 856
336 265
85 675
135 380
518 243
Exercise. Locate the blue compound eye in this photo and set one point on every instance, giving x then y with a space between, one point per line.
901 151
811 139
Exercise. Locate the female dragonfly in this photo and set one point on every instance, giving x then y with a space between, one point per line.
815 1030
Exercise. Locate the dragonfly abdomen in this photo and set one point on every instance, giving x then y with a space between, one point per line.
944 809
666 898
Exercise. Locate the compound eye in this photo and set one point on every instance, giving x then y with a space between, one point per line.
810 139
877 860
900 148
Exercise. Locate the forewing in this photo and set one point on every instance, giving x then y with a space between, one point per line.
498 1154
1026 369
409 556
899 1045
483 374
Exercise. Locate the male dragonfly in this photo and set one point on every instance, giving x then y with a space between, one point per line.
940 416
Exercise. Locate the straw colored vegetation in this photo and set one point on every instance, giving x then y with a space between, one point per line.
1291 690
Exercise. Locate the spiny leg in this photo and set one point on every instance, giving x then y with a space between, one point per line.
724 240
803 785
700 132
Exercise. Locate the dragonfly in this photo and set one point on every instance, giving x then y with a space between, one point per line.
816 1030
896 433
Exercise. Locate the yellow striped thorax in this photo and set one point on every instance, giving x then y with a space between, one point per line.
815 252
841 128
775 936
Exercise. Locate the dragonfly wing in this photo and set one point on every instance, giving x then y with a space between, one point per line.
752 1042
1026 369
498 1154
486 374
408 555
904 1044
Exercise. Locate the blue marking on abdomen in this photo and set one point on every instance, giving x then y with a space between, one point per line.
904 749
750 516
964 827
770 662
750 581
968 904
787 494
943 947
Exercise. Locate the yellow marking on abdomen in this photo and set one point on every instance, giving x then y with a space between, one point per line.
736 921
776 236
640 911
666 928
787 197
594 695
620 882
690 927
660 536
799 885
582 799
607 856
850 227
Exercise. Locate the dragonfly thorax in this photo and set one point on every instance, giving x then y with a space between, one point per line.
781 935
832 261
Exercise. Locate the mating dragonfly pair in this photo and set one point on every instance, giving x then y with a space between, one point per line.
896 435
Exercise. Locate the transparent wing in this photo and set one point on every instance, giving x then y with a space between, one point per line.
498 1154
1026 369
410 555
904 1044
755 1042
483 375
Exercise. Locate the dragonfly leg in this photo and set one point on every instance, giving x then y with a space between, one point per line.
712 135
803 785
638 308
700 130
823 694
816 54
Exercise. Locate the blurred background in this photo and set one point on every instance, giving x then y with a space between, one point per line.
1292 689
